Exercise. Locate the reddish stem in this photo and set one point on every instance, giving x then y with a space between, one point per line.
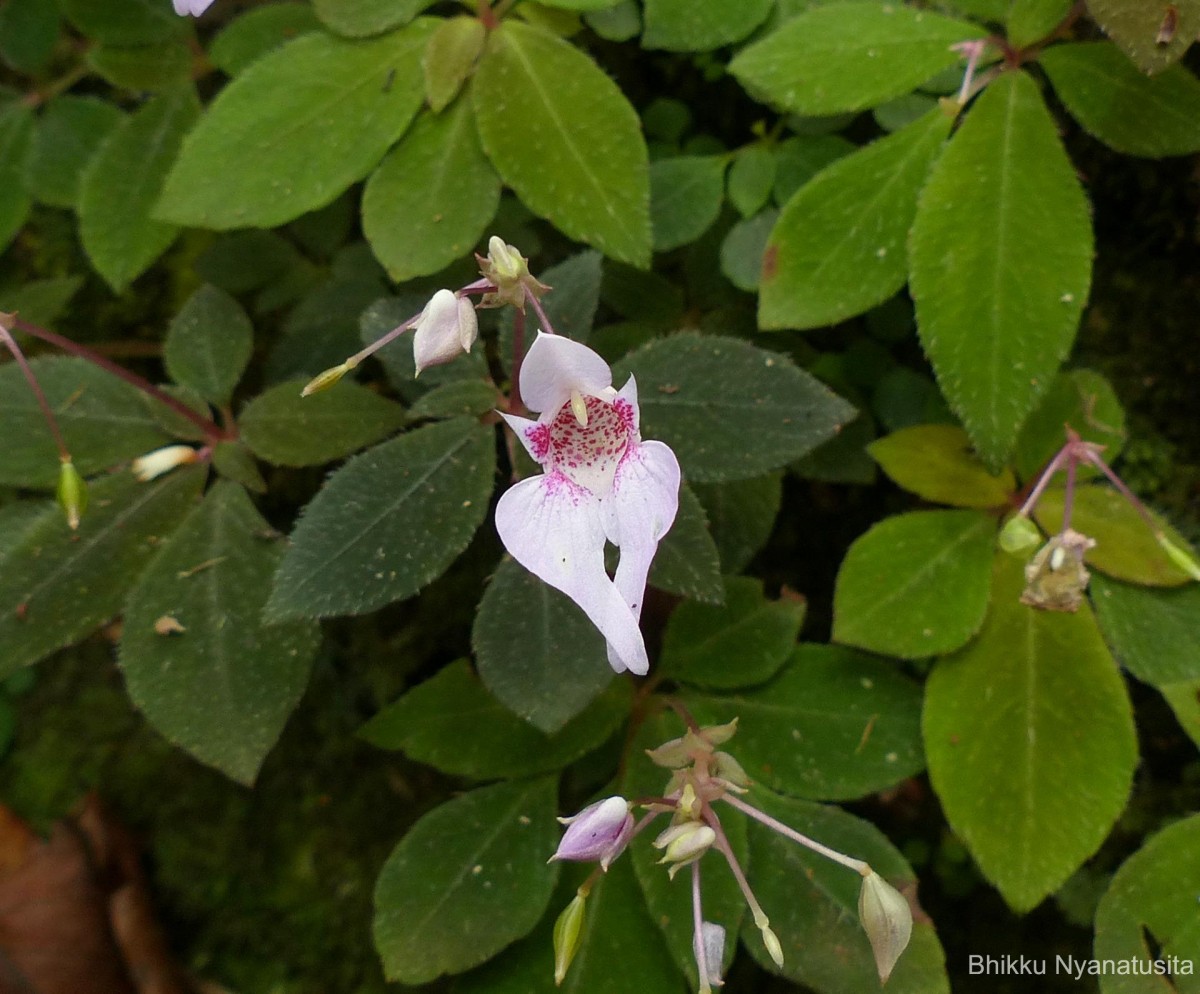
38 393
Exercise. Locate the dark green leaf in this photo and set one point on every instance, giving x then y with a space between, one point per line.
838 248
997 312
1031 719
40 301
1127 110
842 459
835 724
1152 899
1081 400
618 23
16 142
916 584
1125 544
813 903
686 193
741 643
388 522
751 179
198 661
133 22
850 56
742 251
1032 20
455 398
1184 699
431 199
741 515
799 159
286 429
103 419
259 31
209 344
686 26
69 132
729 410
122 183
687 562
28 33
584 166
1136 26
451 722
469 878
58 585
143 67
295 129
234 461
246 260
536 651
936 462
361 18
1155 634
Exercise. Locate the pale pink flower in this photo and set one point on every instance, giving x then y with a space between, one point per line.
599 833
446 328
601 481
193 7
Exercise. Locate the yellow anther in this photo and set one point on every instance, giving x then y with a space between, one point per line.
579 408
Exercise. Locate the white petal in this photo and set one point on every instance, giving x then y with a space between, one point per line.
554 366
468 323
629 394
639 512
534 435
552 528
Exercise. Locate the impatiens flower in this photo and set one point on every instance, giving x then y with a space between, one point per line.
154 464
598 833
446 327
601 481
708 945
193 7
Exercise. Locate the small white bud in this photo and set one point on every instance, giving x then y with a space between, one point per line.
887 920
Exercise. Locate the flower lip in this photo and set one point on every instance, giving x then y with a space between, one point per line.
599 832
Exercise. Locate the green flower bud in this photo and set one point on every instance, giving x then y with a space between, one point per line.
887 919
1019 535
1180 557
568 930
325 380
72 493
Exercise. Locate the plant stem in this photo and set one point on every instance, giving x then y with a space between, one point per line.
47 413
698 925
848 861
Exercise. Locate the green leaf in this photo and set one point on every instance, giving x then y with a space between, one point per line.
122 183
388 522
751 179
1184 699
234 461
741 643
1125 544
221 684
838 248
744 248
452 723
1155 634
843 459
16 142
361 18
729 410
69 132
670 901
1136 114
469 878
458 397
40 301
28 33
1147 917
813 903
686 26
103 419
850 56
997 309
619 948
686 192
143 67
449 58
835 724
432 198
936 462
741 515
259 31
916 584
619 23
1082 400
536 651
799 159
1137 27
59 585
1031 719
295 129
687 562
286 429
1030 21
133 22
583 166
209 344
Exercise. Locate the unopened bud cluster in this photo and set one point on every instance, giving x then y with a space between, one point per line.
701 776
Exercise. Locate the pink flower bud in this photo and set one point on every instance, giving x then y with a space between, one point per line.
599 832
446 327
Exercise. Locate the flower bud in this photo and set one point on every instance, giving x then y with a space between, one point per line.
1019 535
771 941
154 464
599 832
683 844
887 920
508 271
730 770
327 379
1055 579
1180 557
446 327
711 940
567 932
72 493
